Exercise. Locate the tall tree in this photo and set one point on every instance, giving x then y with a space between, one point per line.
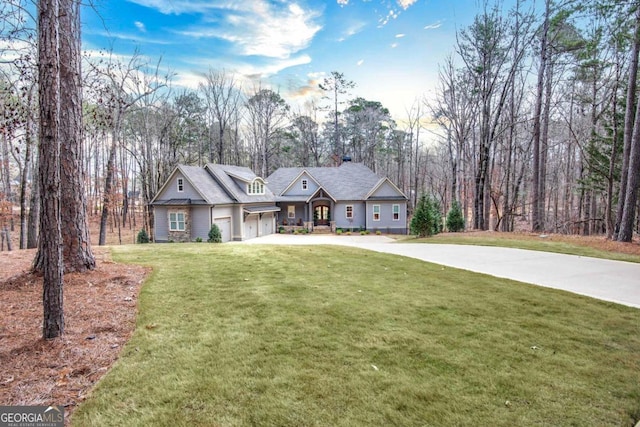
627 199
75 229
537 209
266 116
335 86
484 47
222 94
50 246
366 125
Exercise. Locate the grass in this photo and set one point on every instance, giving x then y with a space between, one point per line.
232 335
594 247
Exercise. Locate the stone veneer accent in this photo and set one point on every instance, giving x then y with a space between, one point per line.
180 236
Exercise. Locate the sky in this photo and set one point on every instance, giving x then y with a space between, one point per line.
390 49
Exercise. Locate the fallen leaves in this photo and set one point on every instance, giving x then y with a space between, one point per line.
97 325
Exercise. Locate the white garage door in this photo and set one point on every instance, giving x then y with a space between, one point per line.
251 227
224 224
267 224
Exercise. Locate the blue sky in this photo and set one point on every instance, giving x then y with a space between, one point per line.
390 48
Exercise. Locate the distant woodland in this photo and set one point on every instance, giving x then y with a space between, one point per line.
536 110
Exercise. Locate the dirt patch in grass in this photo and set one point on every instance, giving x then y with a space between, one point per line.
100 309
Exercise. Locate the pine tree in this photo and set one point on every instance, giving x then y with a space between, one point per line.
427 219
455 220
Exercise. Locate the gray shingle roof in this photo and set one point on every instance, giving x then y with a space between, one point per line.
205 184
225 174
350 181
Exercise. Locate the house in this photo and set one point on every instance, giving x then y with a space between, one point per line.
232 197
350 196
245 206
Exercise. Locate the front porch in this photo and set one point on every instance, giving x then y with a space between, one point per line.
311 215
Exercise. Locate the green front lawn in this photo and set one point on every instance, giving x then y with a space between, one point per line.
232 335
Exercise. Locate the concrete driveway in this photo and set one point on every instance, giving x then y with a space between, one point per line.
614 281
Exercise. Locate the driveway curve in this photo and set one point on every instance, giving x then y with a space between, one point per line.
614 281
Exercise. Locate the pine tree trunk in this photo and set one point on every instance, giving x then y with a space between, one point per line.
50 244
77 252
625 233
537 201
23 180
628 124
34 214
108 189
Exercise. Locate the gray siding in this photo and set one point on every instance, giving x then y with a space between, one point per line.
300 212
171 190
200 222
386 222
161 224
386 190
339 215
296 188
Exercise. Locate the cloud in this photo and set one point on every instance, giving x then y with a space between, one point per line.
393 13
140 26
360 62
136 38
258 71
394 45
405 4
180 7
433 26
309 90
263 28
353 29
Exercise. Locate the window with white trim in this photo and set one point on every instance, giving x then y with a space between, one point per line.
376 212
176 221
180 185
291 211
255 187
305 184
349 211
396 212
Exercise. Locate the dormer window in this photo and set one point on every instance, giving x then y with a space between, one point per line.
180 185
305 184
255 187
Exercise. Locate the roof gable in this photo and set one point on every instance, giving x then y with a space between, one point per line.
199 185
385 189
295 188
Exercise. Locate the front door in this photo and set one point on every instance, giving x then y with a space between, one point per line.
321 215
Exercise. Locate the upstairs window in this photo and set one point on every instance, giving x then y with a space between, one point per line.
180 185
255 187
305 184
376 212
176 221
396 212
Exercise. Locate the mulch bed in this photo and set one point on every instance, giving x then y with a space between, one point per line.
100 307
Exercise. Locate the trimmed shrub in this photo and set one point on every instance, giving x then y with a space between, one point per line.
215 236
143 237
